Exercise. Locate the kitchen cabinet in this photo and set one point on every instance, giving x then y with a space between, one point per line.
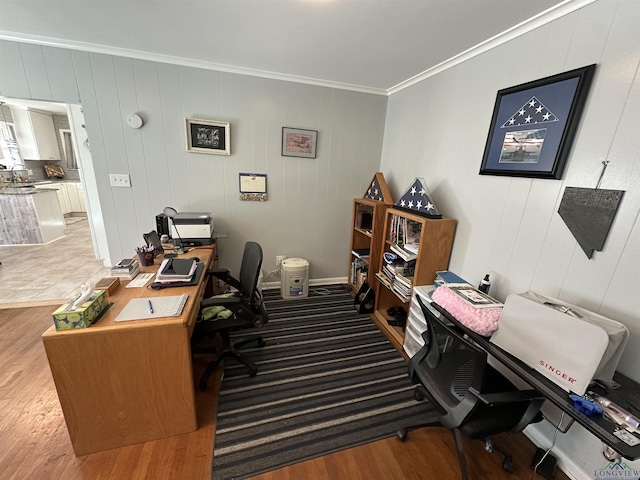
63 196
81 199
29 217
36 135
75 191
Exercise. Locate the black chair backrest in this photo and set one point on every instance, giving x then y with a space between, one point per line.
250 273
450 366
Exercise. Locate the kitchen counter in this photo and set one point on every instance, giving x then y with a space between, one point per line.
29 216
24 190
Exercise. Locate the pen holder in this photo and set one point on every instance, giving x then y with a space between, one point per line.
145 258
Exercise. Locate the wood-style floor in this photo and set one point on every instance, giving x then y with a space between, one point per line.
34 443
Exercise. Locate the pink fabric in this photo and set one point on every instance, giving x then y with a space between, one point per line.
481 320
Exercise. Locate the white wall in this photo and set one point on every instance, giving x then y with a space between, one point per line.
510 227
308 211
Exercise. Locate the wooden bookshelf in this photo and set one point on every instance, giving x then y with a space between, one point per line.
367 222
434 238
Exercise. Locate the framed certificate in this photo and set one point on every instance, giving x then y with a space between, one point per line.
253 186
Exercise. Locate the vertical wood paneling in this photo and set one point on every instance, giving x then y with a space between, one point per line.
88 95
13 78
112 126
181 164
61 74
36 71
510 226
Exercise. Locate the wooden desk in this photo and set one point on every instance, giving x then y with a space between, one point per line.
598 425
121 383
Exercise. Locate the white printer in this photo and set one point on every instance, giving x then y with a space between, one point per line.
192 229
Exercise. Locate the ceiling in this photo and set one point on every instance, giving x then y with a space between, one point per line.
368 45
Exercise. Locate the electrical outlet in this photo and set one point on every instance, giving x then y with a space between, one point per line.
279 259
120 180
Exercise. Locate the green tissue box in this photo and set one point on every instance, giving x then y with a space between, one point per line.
66 318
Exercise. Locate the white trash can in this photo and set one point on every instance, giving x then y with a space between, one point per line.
294 278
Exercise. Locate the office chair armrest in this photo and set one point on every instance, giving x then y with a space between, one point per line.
225 275
225 302
501 398
531 414
218 272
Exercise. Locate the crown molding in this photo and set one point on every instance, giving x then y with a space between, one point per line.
185 62
549 15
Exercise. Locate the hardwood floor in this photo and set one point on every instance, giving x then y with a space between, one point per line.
35 444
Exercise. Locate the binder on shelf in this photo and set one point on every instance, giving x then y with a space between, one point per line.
152 307
360 252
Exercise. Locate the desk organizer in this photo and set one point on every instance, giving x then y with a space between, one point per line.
67 318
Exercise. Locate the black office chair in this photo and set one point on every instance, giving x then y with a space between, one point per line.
474 398
245 309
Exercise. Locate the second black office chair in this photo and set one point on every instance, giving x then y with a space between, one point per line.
245 309
474 398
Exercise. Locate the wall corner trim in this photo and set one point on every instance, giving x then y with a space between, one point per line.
549 15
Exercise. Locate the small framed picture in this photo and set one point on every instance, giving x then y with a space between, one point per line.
253 186
297 142
207 136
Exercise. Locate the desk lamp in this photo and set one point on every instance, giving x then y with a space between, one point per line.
172 213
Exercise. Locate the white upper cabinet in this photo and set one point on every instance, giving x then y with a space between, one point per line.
36 135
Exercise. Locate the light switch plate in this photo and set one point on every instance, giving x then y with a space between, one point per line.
120 180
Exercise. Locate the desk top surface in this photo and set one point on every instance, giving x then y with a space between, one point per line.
627 397
119 299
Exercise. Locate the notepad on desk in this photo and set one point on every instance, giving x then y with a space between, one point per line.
152 307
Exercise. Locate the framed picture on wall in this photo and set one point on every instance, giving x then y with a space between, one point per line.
297 142
533 125
207 136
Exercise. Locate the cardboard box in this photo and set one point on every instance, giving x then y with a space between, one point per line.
66 318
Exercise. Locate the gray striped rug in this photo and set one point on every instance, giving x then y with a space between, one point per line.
327 380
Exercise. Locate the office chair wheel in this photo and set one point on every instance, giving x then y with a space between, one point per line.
418 395
507 465
402 434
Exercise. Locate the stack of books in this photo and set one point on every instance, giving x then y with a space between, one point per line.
399 272
126 269
407 253
402 285
446 276
359 271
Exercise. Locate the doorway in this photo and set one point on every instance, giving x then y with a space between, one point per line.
75 159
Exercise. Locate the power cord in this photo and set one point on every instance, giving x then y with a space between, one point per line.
553 443
321 291
272 273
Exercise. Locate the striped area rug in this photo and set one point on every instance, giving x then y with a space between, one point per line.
327 380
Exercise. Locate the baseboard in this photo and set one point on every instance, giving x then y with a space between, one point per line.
312 282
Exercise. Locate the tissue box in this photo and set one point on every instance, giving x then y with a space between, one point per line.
66 318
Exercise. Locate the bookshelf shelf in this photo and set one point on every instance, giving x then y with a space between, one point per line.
432 239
